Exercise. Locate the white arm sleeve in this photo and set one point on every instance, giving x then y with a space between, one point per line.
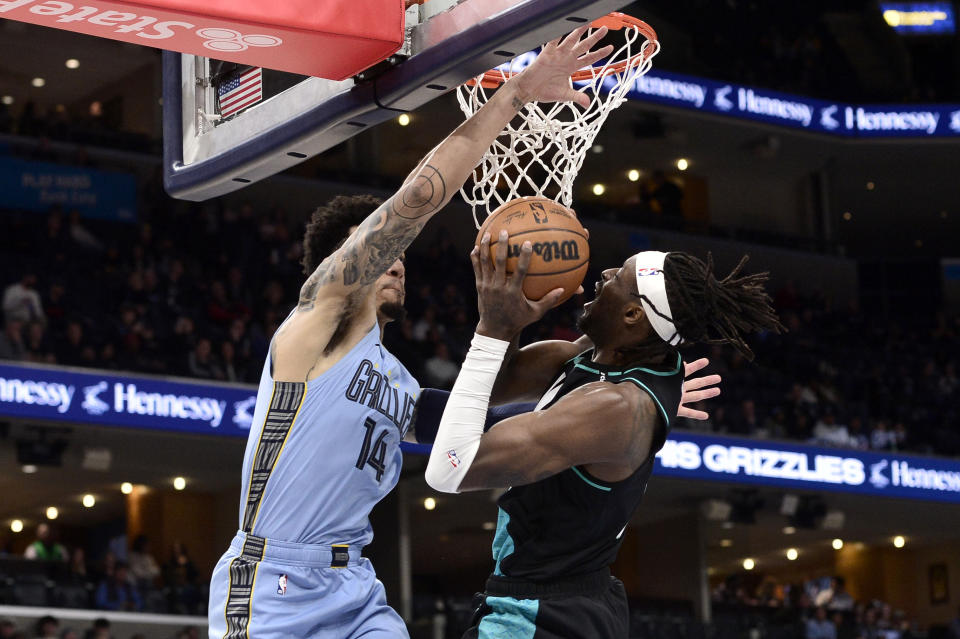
461 427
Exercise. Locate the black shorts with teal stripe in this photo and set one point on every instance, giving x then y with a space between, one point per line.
593 606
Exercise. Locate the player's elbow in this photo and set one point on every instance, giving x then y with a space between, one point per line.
420 197
440 479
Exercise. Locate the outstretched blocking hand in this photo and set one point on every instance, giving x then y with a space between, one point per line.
696 389
547 79
504 309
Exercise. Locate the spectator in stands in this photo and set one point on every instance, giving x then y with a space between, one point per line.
828 432
836 596
857 438
55 306
664 196
108 566
81 236
954 627
12 346
180 575
69 633
201 362
39 346
7 629
78 565
143 567
22 302
6 126
117 593
72 349
183 341
47 627
229 371
869 628
881 438
819 627
46 548
949 383
99 630
845 628
440 370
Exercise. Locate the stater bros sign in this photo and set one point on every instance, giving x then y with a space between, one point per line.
300 36
800 466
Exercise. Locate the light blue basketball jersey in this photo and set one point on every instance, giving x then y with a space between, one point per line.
321 454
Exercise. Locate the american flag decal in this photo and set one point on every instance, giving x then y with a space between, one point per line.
240 92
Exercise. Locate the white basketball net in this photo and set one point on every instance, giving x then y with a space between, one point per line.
542 150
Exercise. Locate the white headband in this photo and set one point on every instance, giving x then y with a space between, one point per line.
652 287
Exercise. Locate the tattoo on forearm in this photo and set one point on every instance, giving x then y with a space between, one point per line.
517 103
350 273
308 292
381 238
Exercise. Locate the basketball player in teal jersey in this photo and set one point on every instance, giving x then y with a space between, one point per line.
333 404
579 463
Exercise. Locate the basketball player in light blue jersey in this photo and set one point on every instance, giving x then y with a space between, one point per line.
333 404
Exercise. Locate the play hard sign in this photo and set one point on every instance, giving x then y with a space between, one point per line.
333 39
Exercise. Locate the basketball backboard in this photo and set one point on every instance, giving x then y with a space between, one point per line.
447 43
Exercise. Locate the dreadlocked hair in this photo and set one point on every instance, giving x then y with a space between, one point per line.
711 311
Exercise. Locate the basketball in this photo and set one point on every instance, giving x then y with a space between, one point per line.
561 252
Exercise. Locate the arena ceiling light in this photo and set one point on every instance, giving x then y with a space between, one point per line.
126 488
837 544
29 469
429 503
633 175
89 501
749 564
179 483
52 513
16 525
403 120
7 99
73 63
599 189
899 541
726 543
789 530
683 164
792 554
38 82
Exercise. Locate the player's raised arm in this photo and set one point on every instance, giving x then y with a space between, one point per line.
387 232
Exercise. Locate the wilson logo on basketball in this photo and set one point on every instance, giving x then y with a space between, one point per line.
215 37
549 251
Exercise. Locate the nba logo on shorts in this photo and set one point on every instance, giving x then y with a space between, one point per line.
282 585
647 271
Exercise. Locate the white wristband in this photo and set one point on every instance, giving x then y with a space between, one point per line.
461 426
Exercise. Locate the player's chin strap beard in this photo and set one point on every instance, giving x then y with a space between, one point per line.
652 291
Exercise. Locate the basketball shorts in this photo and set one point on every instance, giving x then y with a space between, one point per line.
266 589
590 607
